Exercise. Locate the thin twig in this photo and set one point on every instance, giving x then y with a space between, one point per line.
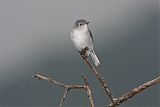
89 92
40 77
68 87
100 78
134 91
64 96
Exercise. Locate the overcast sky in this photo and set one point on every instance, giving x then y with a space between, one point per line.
35 38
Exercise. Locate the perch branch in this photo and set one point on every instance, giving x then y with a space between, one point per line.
69 87
100 78
134 91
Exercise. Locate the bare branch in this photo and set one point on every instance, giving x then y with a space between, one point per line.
115 101
89 92
133 92
64 96
68 87
100 78
40 77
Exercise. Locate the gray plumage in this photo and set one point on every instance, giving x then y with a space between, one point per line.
82 38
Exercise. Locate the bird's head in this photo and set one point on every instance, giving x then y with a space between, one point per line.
81 24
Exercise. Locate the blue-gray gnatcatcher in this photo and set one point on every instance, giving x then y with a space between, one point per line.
82 38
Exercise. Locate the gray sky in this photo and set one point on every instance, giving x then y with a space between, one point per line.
35 38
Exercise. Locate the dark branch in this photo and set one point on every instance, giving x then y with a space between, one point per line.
133 92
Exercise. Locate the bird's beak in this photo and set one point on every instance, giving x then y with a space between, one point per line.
87 22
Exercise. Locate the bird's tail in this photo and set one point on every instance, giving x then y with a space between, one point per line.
95 58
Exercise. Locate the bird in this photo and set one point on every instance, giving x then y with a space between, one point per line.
82 39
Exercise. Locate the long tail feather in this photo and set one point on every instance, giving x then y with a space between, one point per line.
95 58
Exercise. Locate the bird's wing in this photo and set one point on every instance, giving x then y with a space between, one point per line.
90 33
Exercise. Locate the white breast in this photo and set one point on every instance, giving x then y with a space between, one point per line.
81 39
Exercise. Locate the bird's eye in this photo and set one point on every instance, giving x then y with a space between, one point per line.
80 24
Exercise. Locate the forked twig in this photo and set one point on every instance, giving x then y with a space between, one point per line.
68 87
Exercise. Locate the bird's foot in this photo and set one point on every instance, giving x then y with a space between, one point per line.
83 52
